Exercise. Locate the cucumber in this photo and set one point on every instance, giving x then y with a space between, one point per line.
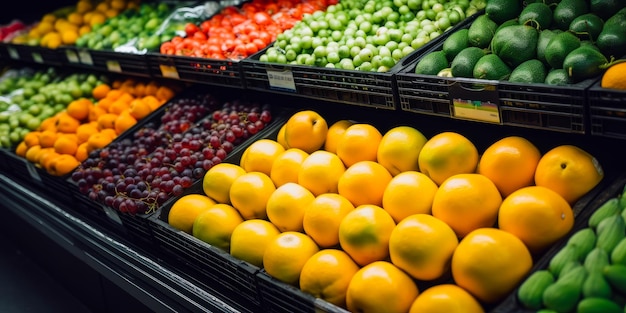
615 274
610 232
618 255
515 44
537 15
597 305
596 260
561 258
608 208
481 31
531 71
585 63
597 286
530 292
584 240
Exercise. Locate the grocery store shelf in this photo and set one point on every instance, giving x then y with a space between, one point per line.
155 286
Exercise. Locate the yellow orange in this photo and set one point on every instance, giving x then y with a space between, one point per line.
260 156
218 179
335 131
364 233
65 145
322 218
447 154
249 194
364 182
320 172
306 130
409 193
285 207
327 274
123 122
63 165
186 209
250 238
216 224
286 166
399 149
359 142
446 298
286 255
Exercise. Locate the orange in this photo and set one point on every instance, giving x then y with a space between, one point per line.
119 106
109 132
260 155
186 209
100 91
152 101
65 145
381 287
399 149
66 123
84 131
63 165
306 130
139 109
320 172
335 131
488 278
98 141
140 89
69 36
510 163
218 179
536 215
104 104
47 158
164 93
359 142
409 193
570 171
48 124
250 238
467 202
614 77
364 233
114 94
286 255
123 122
286 166
446 298
322 217
249 194
83 6
280 137
81 152
447 154
31 139
106 120
327 274
47 138
285 207
151 88
95 112
364 182
422 245
216 224
21 148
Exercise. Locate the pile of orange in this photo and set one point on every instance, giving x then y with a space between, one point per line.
349 214
64 140
66 26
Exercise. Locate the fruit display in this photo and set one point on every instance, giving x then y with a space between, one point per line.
362 218
31 96
561 44
366 35
587 273
161 159
237 32
87 123
66 25
138 29
9 31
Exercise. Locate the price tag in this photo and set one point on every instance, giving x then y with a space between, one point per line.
479 102
13 53
72 57
114 66
112 214
281 80
37 57
169 71
85 57
30 167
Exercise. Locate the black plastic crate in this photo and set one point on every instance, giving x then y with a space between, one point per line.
541 106
32 54
199 70
607 113
108 61
609 188
281 297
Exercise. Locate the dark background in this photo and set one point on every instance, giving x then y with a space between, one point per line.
30 11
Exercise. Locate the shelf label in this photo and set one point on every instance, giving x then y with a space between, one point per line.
112 214
72 57
13 53
30 167
169 71
85 57
281 80
114 66
475 101
37 57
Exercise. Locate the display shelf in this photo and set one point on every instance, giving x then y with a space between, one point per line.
154 284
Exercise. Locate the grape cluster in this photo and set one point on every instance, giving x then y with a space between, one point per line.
138 174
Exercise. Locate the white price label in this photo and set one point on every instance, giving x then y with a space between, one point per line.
169 71
72 57
114 66
112 214
85 57
13 53
37 57
476 110
281 80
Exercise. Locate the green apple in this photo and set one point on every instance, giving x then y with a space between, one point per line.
399 149
33 123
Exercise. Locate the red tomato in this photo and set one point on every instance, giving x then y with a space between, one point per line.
191 29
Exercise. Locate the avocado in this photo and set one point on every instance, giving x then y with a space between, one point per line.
515 44
500 11
559 46
464 62
456 42
491 67
481 31
531 71
538 15
542 42
566 11
584 63
557 77
606 8
507 23
432 63
587 26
